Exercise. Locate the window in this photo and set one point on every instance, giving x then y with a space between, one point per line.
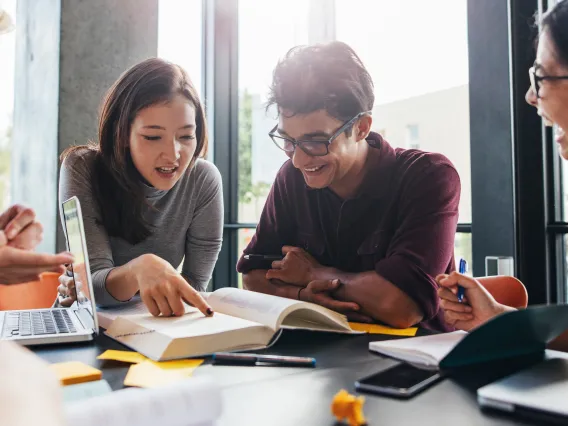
421 83
245 235
462 249
180 37
412 136
418 59
267 30
421 86
7 65
564 183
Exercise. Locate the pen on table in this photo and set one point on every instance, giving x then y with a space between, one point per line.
227 358
263 257
462 270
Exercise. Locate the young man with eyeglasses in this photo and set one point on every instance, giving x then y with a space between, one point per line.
362 228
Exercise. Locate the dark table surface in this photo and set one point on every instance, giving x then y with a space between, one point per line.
290 396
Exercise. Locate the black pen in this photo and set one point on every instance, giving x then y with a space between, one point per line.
263 257
227 358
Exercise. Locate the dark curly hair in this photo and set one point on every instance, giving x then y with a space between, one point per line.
555 22
323 76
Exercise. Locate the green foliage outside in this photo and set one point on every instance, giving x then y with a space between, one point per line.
245 148
248 192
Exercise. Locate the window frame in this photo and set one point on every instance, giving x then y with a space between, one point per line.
221 94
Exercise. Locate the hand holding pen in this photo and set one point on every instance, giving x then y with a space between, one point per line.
462 270
479 307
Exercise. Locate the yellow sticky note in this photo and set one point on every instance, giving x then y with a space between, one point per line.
70 373
123 356
148 375
183 366
383 329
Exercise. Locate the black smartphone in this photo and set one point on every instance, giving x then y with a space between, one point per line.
401 381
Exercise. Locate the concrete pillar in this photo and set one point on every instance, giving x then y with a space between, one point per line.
68 53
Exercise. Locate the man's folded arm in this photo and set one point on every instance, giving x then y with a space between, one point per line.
401 291
255 280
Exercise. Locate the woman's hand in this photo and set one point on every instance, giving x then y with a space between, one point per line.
477 307
19 229
66 290
162 289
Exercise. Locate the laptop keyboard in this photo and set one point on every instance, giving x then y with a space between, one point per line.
36 323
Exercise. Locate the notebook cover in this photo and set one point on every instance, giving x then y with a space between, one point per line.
509 335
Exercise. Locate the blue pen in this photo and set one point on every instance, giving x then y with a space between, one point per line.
462 270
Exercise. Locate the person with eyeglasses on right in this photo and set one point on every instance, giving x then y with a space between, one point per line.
351 223
548 93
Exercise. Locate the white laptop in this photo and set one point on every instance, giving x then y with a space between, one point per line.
539 392
76 323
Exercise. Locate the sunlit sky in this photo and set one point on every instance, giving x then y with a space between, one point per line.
411 47
7 52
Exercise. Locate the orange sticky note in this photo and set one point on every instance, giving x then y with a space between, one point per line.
70 373
123 356
383 329
148 375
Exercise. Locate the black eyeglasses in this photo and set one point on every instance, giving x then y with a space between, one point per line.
312 147
537 79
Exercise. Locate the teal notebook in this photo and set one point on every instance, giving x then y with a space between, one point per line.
510 335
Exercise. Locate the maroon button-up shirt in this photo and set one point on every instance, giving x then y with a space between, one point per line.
401 224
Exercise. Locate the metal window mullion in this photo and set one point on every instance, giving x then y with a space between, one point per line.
321 21
221 53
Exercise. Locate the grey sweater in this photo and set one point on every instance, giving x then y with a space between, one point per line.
187 221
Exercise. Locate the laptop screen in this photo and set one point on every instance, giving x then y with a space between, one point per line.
79 270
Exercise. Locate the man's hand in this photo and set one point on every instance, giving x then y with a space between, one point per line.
297 267
19 229
320 292
20 266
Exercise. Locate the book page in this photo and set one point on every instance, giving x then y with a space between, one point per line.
427 351
135 307
315 317
258 307
192 324
191 402
107 315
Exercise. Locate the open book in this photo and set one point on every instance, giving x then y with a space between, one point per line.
191 402
509 335
243 320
